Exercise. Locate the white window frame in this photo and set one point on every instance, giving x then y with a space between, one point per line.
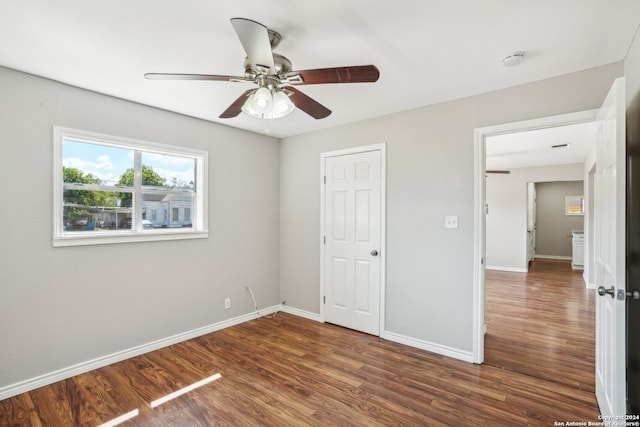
199 213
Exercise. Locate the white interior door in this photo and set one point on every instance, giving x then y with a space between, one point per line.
610 254
531 220
352 240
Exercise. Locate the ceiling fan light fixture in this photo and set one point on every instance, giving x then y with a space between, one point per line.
282 105
262 100
275 96
268 105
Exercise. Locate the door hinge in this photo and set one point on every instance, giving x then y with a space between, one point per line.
324 300
325 179
324 240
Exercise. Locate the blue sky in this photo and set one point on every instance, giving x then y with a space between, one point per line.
108 163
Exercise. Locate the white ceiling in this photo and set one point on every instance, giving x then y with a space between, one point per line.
534 148
428 51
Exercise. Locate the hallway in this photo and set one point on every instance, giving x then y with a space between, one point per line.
542 323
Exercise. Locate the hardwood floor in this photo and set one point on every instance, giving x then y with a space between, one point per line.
542 323
290 371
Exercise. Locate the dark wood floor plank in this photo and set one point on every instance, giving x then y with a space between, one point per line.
53 405
96 400
143 378
19 411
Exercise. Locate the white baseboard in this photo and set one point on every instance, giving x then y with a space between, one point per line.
562 258
99 362
501 268
300 313
454 353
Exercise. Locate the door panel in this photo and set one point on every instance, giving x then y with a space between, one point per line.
362 216
610 254
352 214
362 286
339 216
339 282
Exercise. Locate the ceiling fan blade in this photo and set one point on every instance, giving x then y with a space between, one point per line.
236 107
307 104
255 40
354 74
168 76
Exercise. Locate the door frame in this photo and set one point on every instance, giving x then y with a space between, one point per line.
479 220
381 147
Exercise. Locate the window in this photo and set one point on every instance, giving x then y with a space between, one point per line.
110 189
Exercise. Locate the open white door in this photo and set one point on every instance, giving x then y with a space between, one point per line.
610 255
531 221
352 241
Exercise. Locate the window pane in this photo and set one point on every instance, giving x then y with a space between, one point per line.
167 209
96 164
163 170
98 199
91 210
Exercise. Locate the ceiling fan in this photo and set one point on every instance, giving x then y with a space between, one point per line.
276 95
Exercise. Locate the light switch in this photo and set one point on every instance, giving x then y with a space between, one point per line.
451 221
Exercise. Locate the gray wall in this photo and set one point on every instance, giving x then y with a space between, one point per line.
63 306
553 227
430 164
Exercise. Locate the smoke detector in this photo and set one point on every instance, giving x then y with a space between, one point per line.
513 59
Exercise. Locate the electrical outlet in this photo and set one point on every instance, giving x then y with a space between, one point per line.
227 303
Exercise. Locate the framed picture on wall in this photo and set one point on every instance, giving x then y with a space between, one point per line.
574 205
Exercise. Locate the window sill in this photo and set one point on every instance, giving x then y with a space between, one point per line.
85 239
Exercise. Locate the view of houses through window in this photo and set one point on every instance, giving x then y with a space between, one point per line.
111 188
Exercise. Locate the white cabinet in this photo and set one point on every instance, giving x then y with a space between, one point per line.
577 259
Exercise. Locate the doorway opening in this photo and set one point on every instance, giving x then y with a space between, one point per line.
509 158
535 297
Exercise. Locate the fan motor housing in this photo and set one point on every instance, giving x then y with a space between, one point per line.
282 64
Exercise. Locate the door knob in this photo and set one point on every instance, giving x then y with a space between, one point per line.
374 252
602 291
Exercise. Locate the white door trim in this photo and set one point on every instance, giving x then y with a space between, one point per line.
479 242
383 223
